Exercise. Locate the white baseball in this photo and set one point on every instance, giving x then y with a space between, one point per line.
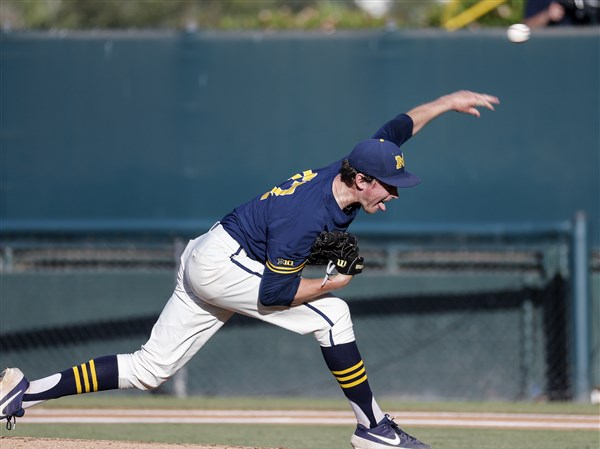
519 32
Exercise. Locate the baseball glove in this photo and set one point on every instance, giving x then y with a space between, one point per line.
339 247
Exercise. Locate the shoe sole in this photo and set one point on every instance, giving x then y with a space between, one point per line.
362 443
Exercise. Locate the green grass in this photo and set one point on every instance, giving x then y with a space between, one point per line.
308 437
304 436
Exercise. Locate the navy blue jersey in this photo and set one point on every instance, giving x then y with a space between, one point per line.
279 227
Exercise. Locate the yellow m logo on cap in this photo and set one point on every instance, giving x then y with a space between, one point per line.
399 162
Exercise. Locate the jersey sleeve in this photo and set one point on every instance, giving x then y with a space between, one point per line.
283 268
397 130
278 289
288 246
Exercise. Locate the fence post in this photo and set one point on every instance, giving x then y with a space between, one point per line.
180 379
581 309
528 389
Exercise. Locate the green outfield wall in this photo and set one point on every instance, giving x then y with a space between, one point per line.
141 125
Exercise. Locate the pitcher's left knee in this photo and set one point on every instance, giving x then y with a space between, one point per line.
339 329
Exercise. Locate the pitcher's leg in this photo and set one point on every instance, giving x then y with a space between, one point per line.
99 374
183 328
347 366
327 319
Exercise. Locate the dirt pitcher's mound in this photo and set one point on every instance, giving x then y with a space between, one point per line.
50 443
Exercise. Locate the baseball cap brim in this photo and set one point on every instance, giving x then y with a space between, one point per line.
402 180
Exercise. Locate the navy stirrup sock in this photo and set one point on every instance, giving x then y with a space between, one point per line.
345 363
96 375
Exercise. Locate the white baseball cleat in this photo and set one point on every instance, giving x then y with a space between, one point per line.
13 386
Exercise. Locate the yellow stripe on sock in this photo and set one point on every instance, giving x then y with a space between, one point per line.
352 376
346 371
85 378
77 381
353 384
93 373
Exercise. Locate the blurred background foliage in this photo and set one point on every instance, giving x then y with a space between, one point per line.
322 15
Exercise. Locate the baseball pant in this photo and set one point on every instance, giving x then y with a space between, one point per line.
215 280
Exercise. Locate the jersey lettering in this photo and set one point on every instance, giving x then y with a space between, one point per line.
284 270
298 179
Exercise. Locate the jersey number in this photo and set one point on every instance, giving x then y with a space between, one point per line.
298 179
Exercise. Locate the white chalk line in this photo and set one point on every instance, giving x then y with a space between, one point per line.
307 417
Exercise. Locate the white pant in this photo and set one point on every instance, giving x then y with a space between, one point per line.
216 279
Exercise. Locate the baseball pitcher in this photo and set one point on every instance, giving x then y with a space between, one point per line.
251 263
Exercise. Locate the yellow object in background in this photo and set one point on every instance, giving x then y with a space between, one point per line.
470 15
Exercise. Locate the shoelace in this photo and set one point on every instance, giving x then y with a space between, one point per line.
399 431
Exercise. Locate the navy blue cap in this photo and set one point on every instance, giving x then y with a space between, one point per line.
382 160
